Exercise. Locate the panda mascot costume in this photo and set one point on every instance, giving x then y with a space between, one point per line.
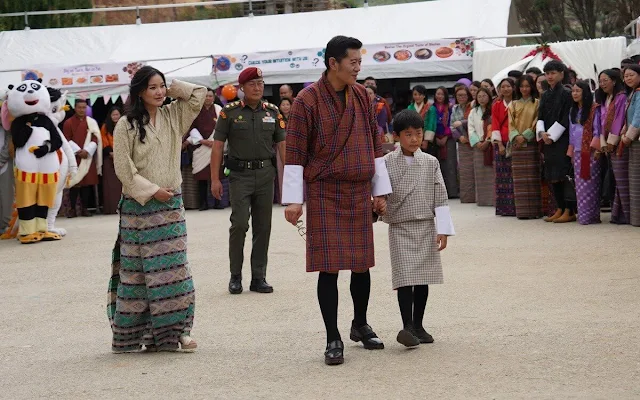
37 162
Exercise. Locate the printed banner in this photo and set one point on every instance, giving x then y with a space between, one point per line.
441 50
85 75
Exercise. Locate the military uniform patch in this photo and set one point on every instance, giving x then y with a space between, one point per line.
223 115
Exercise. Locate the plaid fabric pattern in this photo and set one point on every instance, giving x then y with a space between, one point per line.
467 174
485 180
505 201
336 143
621 207
417 190
190 194
634 182
525 167
587 191
151 297
449 168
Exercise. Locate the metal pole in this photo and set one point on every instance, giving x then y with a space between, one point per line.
250 8
138 19
26 22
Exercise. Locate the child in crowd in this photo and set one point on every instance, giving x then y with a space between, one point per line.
415 238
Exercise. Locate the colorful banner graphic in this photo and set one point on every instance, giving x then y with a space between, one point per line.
441 50
85 75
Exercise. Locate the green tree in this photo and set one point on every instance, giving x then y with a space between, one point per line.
560 20
44 21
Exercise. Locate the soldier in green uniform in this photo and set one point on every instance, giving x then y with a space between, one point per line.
251 126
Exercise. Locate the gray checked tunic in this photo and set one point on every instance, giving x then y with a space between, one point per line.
418 189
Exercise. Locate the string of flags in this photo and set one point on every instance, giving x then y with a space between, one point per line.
93 97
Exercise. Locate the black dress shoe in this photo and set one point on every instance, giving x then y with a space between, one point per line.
367 336
204 208
334 354
260 286
422 335
235 284
408 338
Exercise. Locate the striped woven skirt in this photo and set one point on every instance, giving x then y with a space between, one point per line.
621 207
634 182
485 180
587 191
449 168
467 176
190 194
151 293
505 201
525 167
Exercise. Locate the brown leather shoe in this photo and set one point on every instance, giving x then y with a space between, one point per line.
555 216
567 216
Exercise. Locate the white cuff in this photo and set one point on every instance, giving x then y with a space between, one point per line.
91 148
195 137
633 132
613 139
381 184
74 147
556 131
293 184
429 136
539 126
444 224
496 136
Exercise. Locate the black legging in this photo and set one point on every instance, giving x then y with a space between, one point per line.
84 192
203 190
560 195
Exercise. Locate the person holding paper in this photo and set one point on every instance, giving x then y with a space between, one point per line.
552 129
333 146
505 201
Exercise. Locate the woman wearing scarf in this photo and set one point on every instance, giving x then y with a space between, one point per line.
505 202
525 163
632 80
612 105
459 129
447 153
584 145
427 113
479 139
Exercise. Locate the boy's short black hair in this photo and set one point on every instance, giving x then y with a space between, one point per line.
555 65
515 74
406 119
533 70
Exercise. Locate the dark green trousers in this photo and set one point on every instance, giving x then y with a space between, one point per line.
251 195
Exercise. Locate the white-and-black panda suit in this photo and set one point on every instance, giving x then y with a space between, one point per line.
36 141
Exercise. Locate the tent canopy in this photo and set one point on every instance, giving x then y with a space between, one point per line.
400 23
585 57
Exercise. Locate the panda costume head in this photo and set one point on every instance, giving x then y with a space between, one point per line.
29 97
29 103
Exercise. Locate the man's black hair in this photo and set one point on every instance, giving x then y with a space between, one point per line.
555 65
406 119
369 78
533 70
339 47
515 74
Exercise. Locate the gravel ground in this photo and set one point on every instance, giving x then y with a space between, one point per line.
528 310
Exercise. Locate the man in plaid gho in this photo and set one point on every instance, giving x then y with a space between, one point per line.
333 147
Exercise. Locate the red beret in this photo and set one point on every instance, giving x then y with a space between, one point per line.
249 74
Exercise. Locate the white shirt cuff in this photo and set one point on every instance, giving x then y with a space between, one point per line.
74 146
632 132
539 126
496 136
381 184
429 136
444 224
293 184
91 148
195 136
556 131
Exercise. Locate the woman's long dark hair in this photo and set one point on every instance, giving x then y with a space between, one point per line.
136 110
618 85
110 125
514 91
487 111
493 87
446 96
280 105
587 102
532 84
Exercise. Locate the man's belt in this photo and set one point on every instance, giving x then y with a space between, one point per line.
254 164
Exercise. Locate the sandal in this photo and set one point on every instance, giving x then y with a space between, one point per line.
367 336
334 354
187 344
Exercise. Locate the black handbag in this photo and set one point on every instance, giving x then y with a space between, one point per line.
608 190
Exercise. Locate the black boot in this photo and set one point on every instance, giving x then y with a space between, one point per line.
260 286
235 284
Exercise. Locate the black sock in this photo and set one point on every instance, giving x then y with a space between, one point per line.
360 289
405 301
73 197
203 191
558 195
420 294
328 300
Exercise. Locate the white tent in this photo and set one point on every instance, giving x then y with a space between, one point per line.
583 56
401 23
